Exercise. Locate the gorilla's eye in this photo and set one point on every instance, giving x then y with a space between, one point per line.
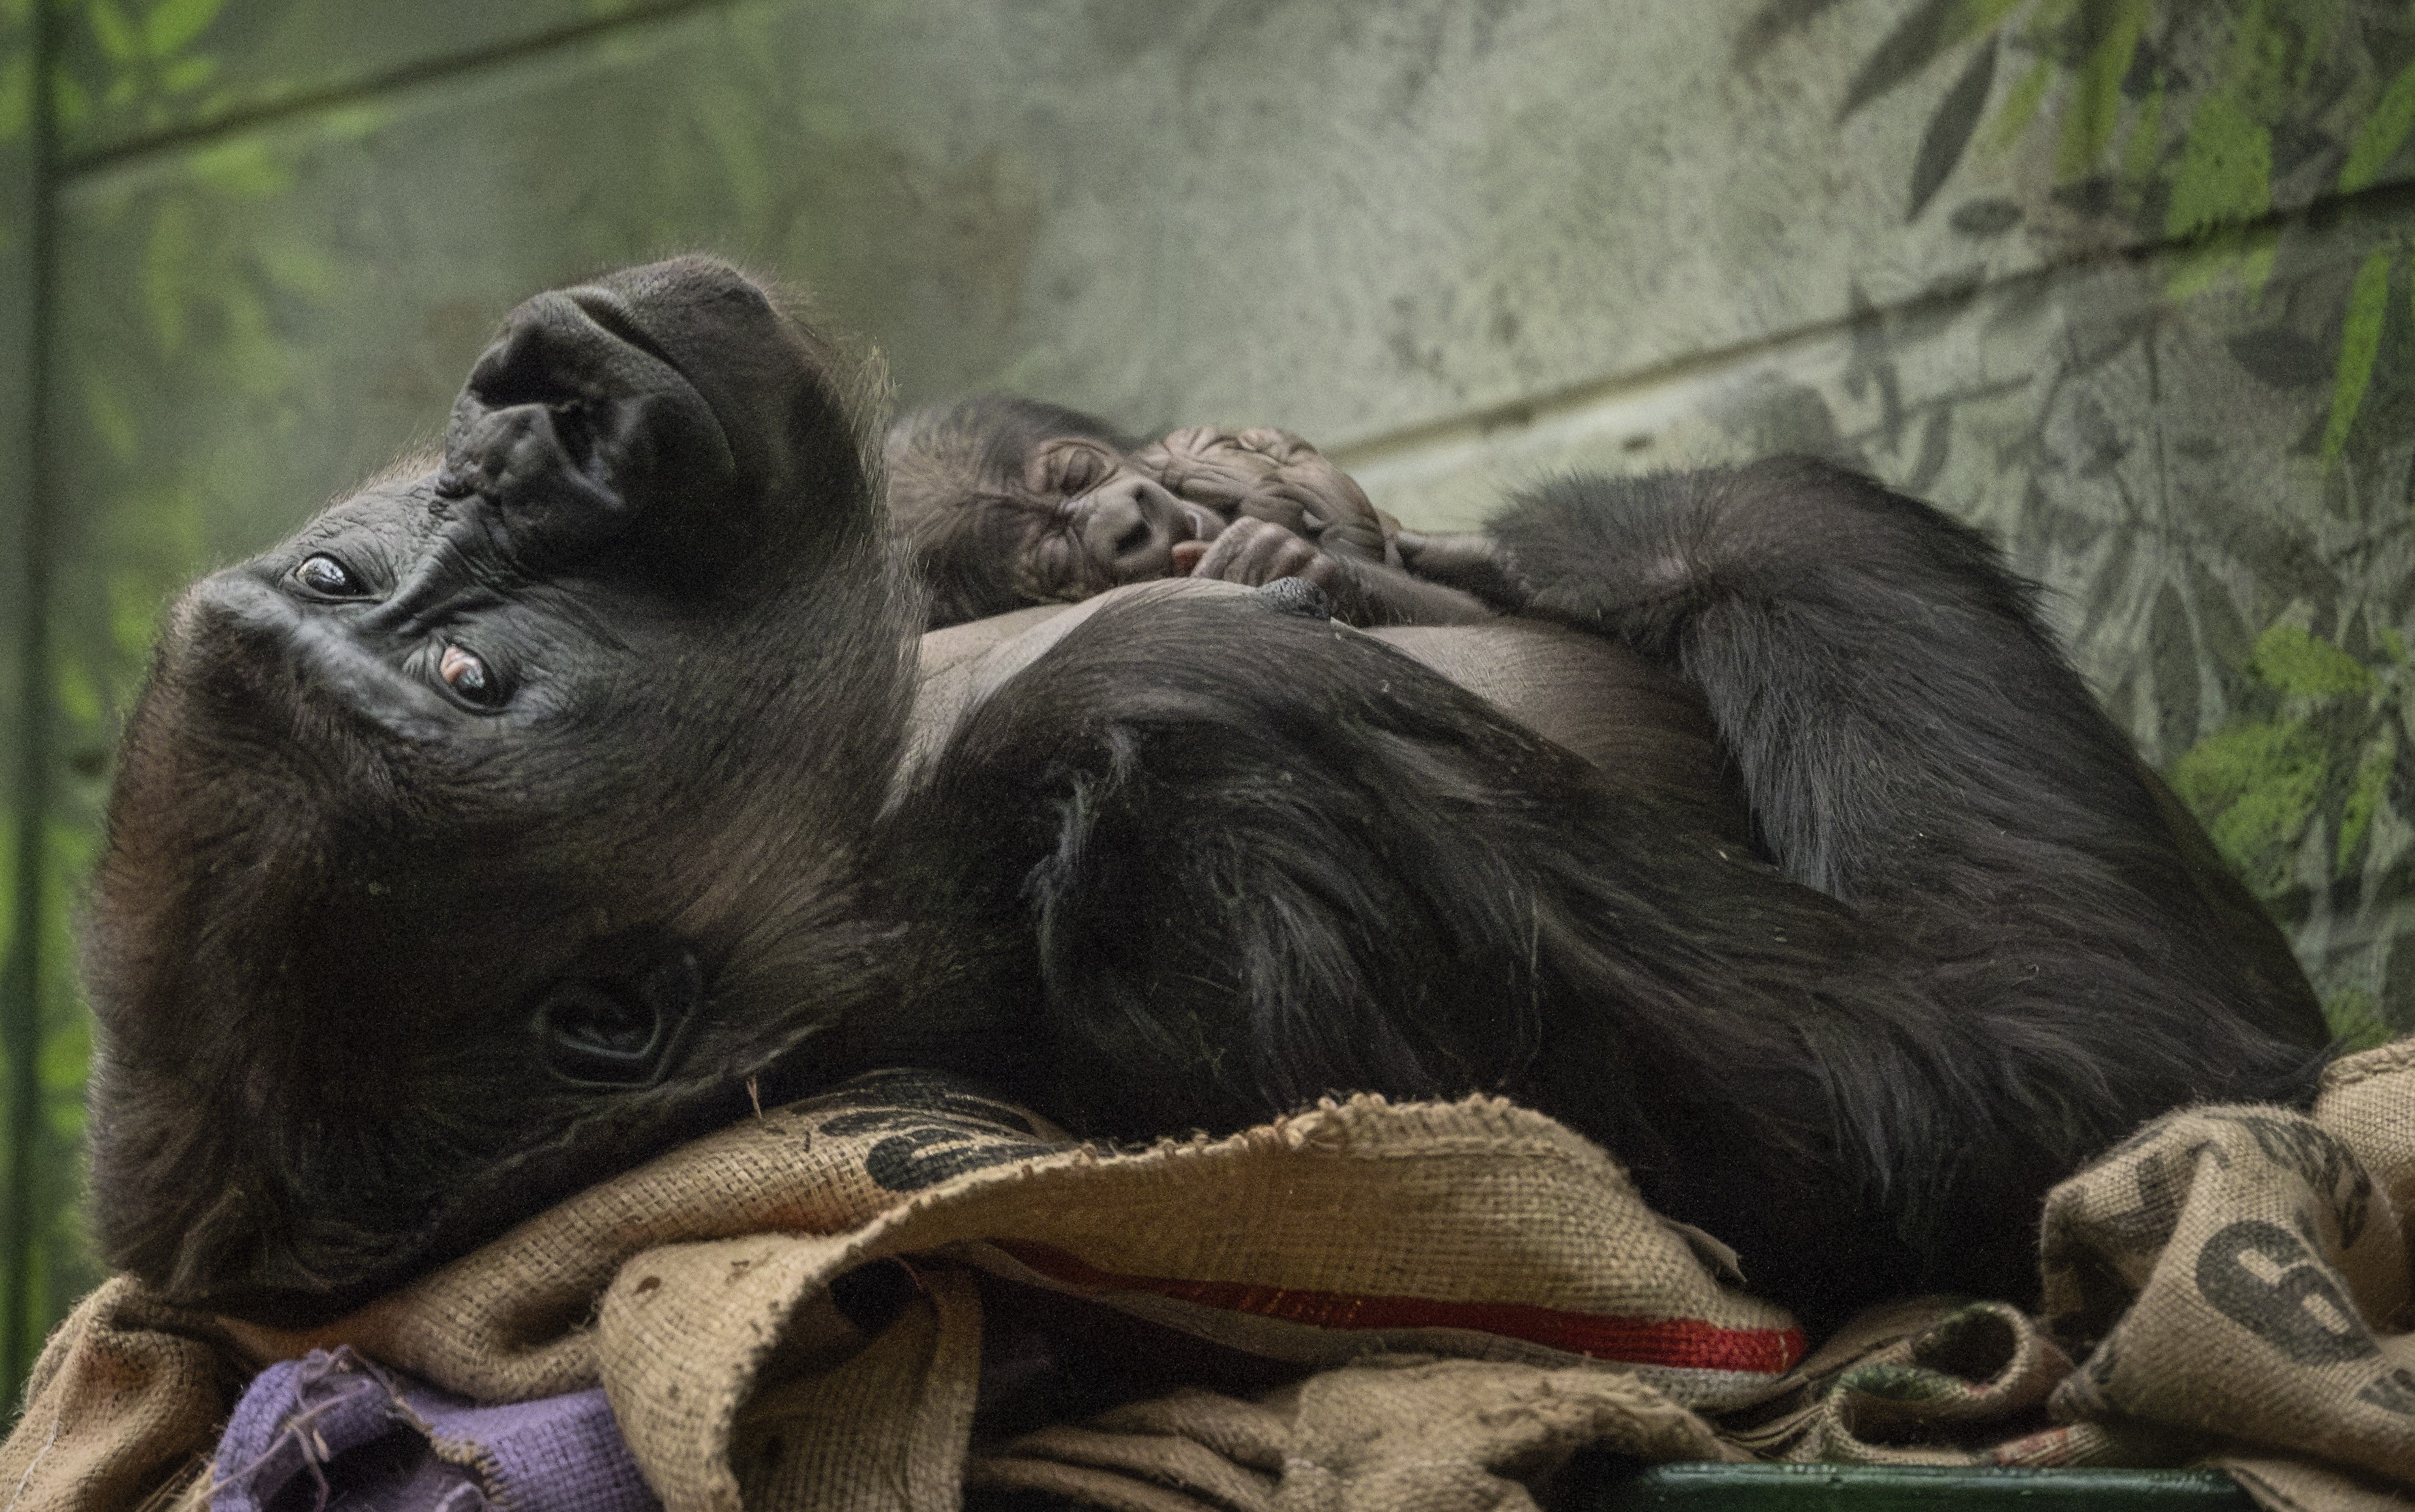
468 679
324 574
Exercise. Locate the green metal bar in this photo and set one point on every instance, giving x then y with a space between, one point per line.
1717 1487
20 981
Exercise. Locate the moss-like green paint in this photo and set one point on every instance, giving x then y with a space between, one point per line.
2356 1018
2368 305
1979 15
2225 170
111 29
2144 151
2366 797
2020 105
8 833
2095 110
175 24
2383 133
2295 660
2256 786
16 95
2248 251
76 691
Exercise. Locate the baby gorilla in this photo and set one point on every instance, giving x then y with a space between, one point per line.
1009 502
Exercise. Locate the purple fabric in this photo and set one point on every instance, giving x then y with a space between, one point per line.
332 1432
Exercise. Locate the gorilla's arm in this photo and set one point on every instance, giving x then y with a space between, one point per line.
1471 561
1379 595
1908 736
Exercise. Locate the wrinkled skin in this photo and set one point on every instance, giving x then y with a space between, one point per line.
1010 503
502 827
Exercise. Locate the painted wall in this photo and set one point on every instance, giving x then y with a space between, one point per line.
2126 281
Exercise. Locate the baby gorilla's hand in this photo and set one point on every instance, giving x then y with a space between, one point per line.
1255 552
1271 475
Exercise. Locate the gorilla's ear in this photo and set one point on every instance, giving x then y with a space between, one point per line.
578 430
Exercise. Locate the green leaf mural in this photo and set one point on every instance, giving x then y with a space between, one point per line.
2197 168
2319 752
2293 659
2366 797
2255 786
2356 1018
2383 133
2368 303
2208 130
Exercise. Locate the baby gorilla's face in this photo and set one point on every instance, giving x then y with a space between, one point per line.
1092 521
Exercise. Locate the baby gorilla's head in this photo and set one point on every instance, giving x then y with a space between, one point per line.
1009 503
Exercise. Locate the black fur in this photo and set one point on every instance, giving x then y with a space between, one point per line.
360 948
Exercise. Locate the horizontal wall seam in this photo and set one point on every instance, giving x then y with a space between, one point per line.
408 76
1471 426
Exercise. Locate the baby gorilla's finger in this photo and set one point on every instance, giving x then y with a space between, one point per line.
1252 552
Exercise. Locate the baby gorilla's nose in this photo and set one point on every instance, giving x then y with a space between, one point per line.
1129 528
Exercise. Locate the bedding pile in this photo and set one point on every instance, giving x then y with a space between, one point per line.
904 1292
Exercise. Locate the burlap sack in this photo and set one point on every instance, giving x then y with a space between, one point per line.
2368 1101
2237 1274
125 1395
1474 1229
1468 1292
1935 1381
1390 1434
695 1289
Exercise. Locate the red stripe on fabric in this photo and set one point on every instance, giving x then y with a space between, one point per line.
1681 1343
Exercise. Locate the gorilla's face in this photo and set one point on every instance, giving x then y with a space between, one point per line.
494 829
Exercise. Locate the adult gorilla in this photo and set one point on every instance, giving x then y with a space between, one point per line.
497 829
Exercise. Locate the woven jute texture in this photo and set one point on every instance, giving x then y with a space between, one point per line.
1452 1297
696 1291
127 1392
2237 1272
